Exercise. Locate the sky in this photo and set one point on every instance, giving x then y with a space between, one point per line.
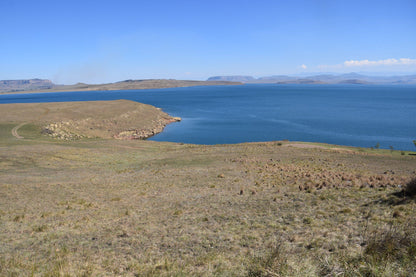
70 41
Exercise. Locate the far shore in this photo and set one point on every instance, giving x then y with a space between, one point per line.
125 85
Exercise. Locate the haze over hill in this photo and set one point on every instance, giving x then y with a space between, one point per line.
39 85
44 85
349 78
30 84
234 78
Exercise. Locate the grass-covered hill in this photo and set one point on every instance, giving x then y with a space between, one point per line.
39 85
122 119
108 207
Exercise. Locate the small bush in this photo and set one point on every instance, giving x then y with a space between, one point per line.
389 251
395 244
307 220
410 189
39 228
272 264
18 218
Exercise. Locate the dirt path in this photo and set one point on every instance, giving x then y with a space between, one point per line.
301 145
14 131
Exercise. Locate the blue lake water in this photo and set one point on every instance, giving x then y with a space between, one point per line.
355 115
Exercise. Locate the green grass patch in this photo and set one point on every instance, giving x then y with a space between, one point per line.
6 131
30 131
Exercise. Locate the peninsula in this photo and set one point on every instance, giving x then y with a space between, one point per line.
119 119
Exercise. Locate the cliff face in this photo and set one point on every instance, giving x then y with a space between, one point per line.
23 85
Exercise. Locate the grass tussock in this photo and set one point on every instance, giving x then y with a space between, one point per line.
410 189
395 244
142 208
273 263
387 252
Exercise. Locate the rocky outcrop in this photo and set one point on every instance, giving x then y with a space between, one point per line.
148 132
62 130
73 130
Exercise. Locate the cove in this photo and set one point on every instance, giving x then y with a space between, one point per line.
353 115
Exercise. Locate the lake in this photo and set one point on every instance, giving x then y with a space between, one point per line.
354 115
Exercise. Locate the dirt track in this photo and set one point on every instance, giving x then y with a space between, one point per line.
14 131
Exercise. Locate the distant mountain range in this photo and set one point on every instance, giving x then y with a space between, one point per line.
240 78
40 85
350 78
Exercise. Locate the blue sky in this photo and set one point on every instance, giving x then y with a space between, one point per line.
71 41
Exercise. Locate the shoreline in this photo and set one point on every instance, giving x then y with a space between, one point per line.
116 119
68 128
210 83
126 85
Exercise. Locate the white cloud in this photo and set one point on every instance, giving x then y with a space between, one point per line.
303 66
386 62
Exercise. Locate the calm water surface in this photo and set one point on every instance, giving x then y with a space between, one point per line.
339 114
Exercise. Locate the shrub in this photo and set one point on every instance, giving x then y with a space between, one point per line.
39 228
272 264
394 245
307 220
410 189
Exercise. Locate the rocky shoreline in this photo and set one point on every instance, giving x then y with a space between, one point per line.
120 119
141 134
67 130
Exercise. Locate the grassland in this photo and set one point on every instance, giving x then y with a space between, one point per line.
95 119
105 207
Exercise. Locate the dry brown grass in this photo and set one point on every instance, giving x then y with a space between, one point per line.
142 208
95 119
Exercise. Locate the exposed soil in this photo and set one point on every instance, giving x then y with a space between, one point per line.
14 131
